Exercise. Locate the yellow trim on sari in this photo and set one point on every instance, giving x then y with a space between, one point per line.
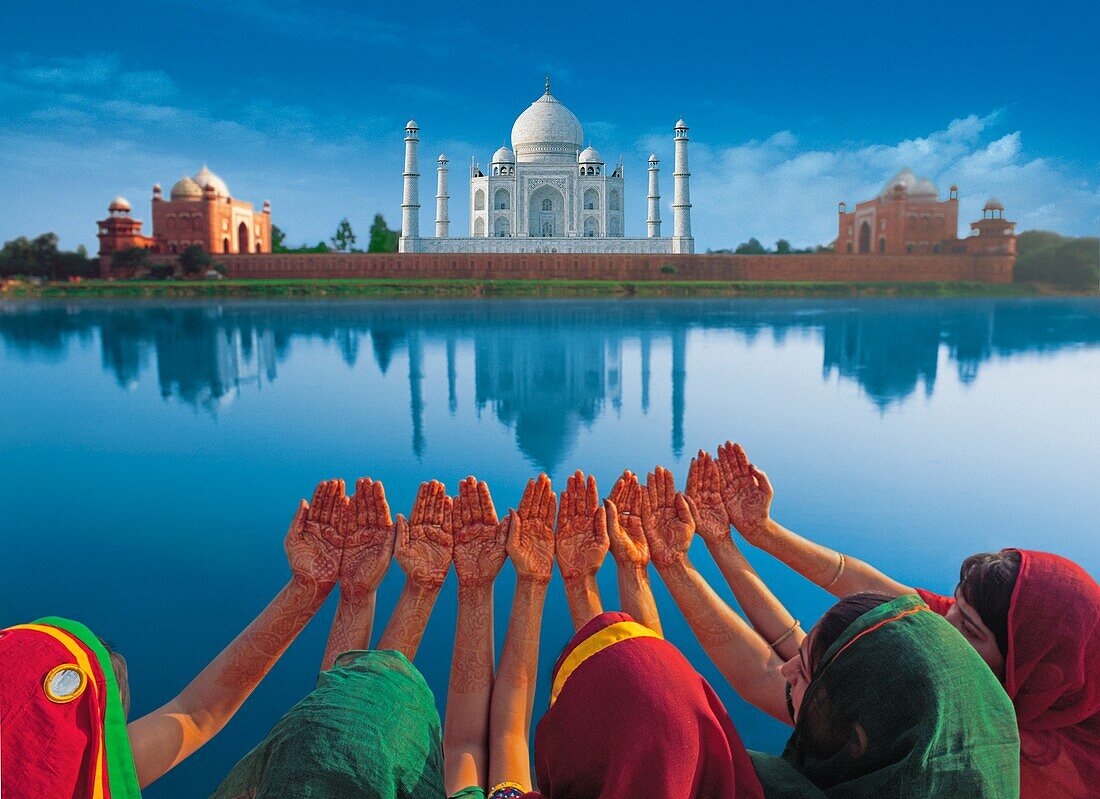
594 644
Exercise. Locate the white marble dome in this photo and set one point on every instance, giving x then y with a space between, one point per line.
186 189
547 132
925 190
905 178
590 155
119 204
504 156
204 177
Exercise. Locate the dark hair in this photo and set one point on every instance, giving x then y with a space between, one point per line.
837 619
986 581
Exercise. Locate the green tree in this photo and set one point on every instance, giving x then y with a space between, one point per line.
195 260
382 239
750 247
783 247
344 239
278 239
1070 263
133 259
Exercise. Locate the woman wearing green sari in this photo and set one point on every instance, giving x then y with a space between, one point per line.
887 699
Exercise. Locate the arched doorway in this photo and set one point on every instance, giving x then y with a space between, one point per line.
546 212
242 238
865 237
225 245
882 245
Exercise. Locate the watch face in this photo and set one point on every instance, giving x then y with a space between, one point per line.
65 683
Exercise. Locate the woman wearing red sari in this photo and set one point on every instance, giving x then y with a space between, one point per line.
1034 618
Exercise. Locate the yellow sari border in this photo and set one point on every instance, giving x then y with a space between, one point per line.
594 644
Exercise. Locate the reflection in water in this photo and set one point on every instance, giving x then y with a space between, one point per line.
545 368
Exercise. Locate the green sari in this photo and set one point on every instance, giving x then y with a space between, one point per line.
369 730
901 706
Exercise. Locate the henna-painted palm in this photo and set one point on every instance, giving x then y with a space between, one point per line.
425 542
479 537
531 531
746 492
626 508
368 539
704 489
314 541
669 526
582 540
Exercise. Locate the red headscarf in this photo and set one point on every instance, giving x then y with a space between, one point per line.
630 717
1052 675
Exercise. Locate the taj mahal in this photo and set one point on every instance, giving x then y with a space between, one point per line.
547 193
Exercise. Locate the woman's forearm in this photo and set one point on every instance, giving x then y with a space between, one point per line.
351 627
636 595
838 574
409 619
514 688
743 657
583 596
168 735
771 620
469 692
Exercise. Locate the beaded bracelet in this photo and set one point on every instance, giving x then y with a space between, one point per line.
506 790
785 635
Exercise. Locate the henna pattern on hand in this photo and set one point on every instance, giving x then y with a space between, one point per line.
425 542
314 541
746 492
479 538
668 526
530 542
704 489
472 664
629 505
368 534
582 541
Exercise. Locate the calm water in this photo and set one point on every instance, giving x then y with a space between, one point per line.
151 455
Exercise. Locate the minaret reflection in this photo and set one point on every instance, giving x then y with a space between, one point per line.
678 378
644 345
416 395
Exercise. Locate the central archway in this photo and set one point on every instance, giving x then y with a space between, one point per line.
546 212
865 237
242 238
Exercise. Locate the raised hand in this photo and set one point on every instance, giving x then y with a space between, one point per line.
425 542
669 527
531 531
314 541
479 537
704 490
368 533
626 508
582 541
746 492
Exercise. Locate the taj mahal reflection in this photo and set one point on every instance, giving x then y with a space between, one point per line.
544 369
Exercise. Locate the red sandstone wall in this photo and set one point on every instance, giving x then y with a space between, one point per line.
566 266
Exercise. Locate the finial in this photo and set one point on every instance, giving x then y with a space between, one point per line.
548 83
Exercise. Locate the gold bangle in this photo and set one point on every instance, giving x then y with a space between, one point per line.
785 635
839 571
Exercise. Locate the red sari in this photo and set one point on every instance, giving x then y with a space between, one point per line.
1052 675
629 717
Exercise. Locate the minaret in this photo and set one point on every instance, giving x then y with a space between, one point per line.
442 222
410 204
653 220
681 197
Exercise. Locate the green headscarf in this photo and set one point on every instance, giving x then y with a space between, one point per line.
900 706
369 730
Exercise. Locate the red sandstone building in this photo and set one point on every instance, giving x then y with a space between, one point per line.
908 218
200 210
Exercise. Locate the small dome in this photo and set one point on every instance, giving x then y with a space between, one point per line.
442 158
503 156
652 158
186 189
205 178
156 188
924 189
681 125
993 204
411 125
589 155
119 204
904 179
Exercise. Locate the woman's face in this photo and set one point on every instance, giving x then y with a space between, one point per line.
966 620
797 673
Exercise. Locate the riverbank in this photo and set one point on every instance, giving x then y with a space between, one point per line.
349 288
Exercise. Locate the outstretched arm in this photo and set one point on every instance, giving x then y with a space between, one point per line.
747 495
743 657
170 734
424 549
625 511
367 532
531 548
479 554
767 614
581 546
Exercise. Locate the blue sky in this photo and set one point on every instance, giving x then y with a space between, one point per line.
792 107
